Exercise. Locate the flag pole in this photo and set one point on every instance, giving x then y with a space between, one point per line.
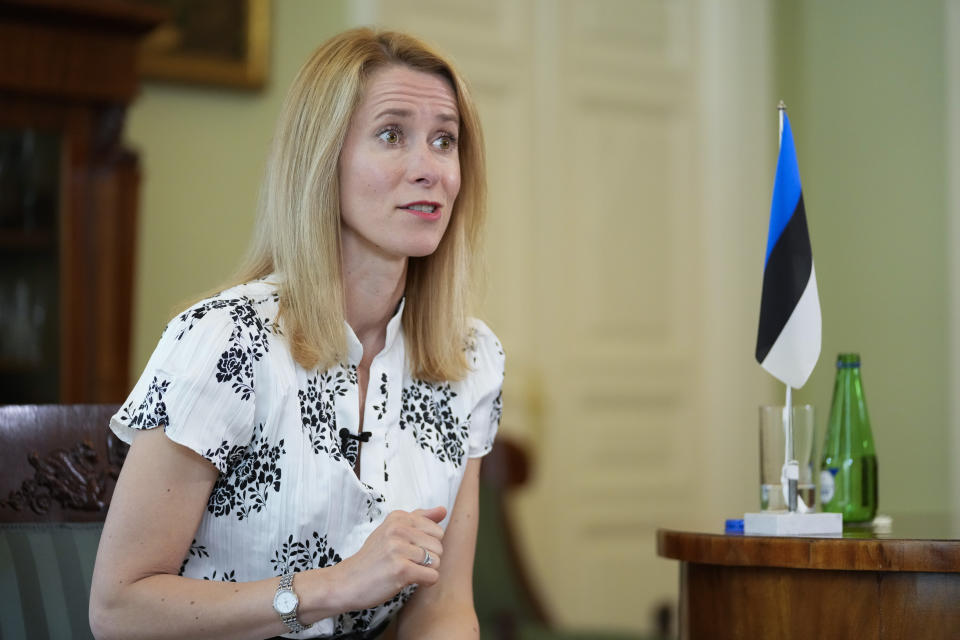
789 351
791 468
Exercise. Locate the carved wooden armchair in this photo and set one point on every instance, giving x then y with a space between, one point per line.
58 467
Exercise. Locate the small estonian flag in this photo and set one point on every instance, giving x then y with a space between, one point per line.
788 339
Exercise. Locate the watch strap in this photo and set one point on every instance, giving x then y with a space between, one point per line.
290 619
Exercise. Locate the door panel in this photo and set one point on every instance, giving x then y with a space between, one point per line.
599 279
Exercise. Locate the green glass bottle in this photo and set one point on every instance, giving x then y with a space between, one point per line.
848 466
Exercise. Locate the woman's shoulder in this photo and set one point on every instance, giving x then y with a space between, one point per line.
253 303
484 351
479 333
255 294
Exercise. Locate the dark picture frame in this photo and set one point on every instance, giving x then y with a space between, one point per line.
212 42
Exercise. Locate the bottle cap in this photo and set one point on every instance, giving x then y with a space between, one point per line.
848 360
733 525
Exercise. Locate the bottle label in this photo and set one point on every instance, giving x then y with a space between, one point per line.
826 485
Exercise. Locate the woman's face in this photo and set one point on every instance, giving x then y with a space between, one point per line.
399 166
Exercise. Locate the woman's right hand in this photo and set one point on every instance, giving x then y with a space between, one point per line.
391 558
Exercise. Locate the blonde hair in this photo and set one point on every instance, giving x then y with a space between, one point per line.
297 233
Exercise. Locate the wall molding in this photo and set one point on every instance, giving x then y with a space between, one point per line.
952 126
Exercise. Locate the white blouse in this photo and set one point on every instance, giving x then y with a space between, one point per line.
222 381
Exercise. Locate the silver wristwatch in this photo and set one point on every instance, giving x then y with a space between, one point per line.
285 603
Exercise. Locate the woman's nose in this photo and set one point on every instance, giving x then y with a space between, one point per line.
424 166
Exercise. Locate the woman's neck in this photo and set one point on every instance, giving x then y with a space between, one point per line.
372 289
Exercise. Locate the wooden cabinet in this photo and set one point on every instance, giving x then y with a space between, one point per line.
68 197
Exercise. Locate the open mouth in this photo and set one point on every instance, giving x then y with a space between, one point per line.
428 210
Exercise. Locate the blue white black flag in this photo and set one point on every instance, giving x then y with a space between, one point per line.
788 339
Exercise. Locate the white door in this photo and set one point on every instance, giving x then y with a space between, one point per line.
607 193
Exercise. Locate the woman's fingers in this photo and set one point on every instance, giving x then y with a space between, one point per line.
425 557
413 526
395 555
420 537
408 536
423 571
427 520
435 514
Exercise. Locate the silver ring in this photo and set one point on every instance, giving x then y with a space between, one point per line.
427 558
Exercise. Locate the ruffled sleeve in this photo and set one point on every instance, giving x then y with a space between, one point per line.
486 380
199 383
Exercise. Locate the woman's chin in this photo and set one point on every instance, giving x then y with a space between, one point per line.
421 249
424 253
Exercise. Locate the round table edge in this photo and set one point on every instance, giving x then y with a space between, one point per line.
837 554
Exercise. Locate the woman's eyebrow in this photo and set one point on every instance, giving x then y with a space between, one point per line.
395 111
449 117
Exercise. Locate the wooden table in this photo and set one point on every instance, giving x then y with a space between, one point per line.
863 586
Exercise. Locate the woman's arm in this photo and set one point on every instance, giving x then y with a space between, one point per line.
154 514
445 610
156 508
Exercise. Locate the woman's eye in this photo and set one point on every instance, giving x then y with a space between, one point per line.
390 136
444 142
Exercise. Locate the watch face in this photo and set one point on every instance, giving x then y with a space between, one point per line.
285 602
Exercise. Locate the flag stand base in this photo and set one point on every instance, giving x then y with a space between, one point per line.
784 523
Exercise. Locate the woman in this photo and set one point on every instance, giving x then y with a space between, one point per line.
306 443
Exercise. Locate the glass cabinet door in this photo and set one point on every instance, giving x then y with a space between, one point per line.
29 266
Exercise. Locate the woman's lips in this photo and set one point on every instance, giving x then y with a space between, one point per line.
423 209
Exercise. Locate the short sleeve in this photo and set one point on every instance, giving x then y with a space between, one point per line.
486 359
199 383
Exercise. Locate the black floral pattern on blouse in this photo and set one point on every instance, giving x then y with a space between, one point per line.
349 447
381 407
318 410
228 576
426 411
252 470
431 413
195 551
235 367
188 319
301 555
200 551
374 499
152 411
357 621
496 411
248 341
